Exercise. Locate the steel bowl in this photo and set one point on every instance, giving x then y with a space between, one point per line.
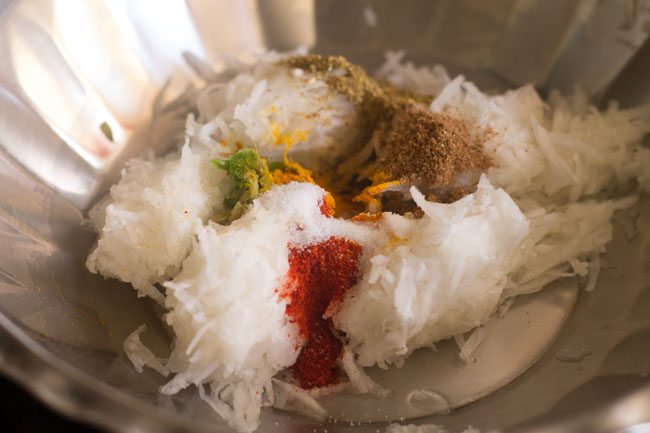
565 360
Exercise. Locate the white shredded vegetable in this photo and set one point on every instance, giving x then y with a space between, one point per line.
539 214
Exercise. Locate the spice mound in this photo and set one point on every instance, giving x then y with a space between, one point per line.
434 151
376 101
319 276
407 144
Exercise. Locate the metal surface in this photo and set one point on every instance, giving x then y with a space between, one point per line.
70 65
434 382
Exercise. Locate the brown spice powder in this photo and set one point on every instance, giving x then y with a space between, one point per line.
377 101
430 150
433 149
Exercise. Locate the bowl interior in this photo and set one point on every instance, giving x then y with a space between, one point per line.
71 65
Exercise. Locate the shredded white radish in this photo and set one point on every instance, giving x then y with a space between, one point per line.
139 355
539 214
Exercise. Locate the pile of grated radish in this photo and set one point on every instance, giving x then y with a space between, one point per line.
541 212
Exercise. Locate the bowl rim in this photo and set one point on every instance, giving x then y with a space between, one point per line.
76 394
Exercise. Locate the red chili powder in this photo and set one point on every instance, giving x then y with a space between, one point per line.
319 275
325 209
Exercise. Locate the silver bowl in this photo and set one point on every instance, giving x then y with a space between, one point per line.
69 65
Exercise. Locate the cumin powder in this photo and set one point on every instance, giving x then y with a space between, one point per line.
422 147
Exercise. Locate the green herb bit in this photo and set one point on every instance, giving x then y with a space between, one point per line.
250 178
106 130
277 165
